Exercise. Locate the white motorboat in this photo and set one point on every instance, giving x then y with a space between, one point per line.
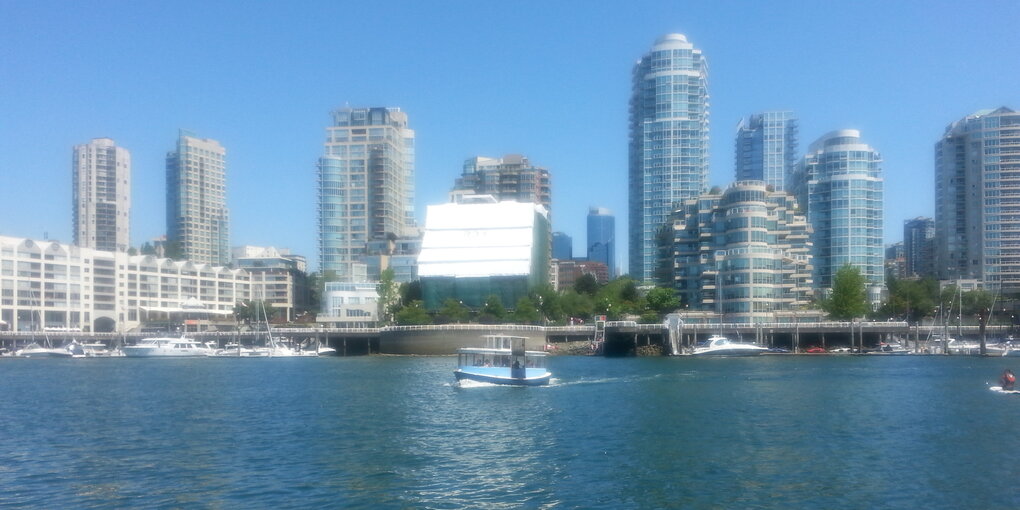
718 345
167 347
34 350
890 349
100 350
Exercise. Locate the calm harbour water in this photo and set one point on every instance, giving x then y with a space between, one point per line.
396 432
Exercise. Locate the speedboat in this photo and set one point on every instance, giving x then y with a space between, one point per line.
503 360
167 347
34 350
718 345
890 349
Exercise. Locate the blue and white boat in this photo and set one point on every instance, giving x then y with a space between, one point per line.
503 360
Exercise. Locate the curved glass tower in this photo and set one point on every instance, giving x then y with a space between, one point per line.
668 143
840 182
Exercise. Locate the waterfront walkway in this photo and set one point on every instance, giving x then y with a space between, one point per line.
622 337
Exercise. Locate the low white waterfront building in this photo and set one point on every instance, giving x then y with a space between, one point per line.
350 305
47 284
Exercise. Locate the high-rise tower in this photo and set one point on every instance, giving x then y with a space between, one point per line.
511 177
919 247
101 189
366 186
197 220
977 200
766 148
668 156
840 183
602 238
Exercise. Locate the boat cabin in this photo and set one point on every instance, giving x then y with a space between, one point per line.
501 351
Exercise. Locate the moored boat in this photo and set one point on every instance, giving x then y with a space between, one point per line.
167 347
718 345
34 350
503 360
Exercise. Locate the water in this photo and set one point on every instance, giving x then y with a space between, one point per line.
396 432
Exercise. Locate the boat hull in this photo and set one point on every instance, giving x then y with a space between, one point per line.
728 353
538 380
45 353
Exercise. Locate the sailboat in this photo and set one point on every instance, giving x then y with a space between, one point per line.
275 349
34 350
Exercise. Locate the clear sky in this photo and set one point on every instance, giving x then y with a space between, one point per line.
547 79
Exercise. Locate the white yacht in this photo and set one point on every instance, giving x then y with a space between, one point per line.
718 345
167 347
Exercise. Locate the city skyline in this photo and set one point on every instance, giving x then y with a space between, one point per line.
890 84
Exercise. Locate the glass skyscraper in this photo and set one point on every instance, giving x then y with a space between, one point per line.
101 188
366 186
196 204
977 200
668 153
602 238
840 182
766 148
562 246
918 247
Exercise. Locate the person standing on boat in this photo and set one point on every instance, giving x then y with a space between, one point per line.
1007 380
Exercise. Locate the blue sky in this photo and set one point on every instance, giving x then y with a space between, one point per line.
547 79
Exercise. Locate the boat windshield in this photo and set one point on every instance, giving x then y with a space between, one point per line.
499 359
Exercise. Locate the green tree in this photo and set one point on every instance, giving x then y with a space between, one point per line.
849 297
173 250
414 314
389 296
586 284
910 300
604 306
662 300
411 291
619 297
976 300
492 311
253 311
526 312
577 305
548 302
453 311
147 249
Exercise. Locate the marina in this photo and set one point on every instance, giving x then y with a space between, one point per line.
617 339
